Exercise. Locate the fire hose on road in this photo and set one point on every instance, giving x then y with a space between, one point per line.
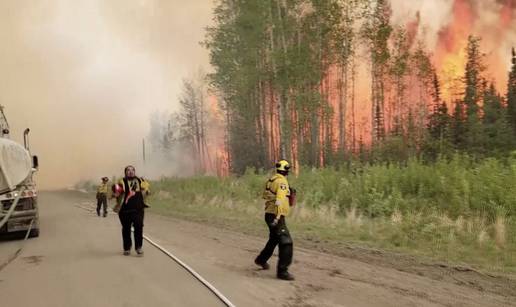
190 270
217 293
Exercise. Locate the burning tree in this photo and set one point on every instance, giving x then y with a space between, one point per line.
286 73
511 92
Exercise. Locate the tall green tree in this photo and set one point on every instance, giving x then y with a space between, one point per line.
458 126
238 45
423 88
473 93
377 31
193 118
399 70
511 92
439 121
345 40
498 134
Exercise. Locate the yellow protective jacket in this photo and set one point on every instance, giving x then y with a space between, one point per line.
102 188
137 186
276 195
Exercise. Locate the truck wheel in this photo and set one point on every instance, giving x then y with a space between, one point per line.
34 233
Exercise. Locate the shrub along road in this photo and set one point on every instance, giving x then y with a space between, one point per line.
77 261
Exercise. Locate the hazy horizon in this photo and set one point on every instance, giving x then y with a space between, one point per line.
85 76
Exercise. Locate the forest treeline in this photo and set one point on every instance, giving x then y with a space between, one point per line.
285 83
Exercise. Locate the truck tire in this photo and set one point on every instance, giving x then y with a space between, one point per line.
34 233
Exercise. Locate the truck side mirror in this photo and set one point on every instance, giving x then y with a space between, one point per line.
26 138
35 162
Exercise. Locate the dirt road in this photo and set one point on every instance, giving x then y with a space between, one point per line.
77 261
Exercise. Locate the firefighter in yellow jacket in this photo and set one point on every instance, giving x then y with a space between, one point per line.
276 195
102 190
131 192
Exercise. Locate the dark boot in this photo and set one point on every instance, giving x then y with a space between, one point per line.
139 252
264 266
285 276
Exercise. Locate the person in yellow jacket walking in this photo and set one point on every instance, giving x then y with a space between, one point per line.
131 192
102 190
276 195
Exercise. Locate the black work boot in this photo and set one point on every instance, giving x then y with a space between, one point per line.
139 252
264 266
285 276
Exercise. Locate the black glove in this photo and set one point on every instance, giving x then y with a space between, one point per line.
275 222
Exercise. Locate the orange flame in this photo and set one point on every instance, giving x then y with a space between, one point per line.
450 55
219 156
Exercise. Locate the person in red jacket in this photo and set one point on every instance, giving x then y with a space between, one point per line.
131 192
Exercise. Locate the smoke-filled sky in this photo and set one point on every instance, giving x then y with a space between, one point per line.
85 75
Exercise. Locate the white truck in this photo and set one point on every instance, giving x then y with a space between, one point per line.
18 194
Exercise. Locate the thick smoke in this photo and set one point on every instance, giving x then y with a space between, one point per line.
85 76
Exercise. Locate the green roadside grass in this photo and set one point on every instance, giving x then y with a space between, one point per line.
457 211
